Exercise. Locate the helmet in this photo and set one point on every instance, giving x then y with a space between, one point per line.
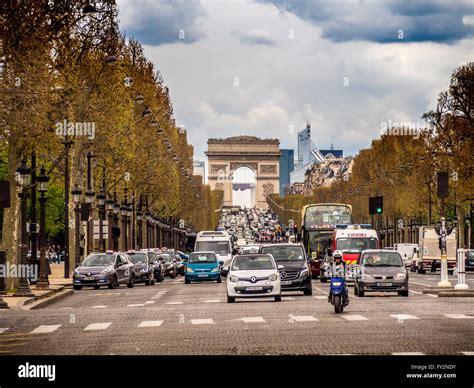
337 255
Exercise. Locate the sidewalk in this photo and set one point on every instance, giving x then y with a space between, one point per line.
58 289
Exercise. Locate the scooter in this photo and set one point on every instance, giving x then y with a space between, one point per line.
339 294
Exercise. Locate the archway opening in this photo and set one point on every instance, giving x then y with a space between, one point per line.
243 187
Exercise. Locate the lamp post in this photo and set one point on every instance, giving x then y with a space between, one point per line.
147 229
116 220
110 220
24 178
139 221
90 224
129 226
101 204
76 195
42 180
123 213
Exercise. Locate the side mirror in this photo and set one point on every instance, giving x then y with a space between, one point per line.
280 267
221 262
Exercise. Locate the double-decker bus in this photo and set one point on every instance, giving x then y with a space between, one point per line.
318 223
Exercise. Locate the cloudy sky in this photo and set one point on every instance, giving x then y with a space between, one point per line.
266 67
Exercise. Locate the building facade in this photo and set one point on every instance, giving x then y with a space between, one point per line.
287 165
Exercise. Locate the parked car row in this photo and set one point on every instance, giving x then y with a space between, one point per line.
114 268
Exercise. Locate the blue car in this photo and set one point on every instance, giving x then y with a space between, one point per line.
203 266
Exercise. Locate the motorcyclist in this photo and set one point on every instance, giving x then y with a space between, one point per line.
337 269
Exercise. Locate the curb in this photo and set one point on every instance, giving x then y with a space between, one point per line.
43 302
458 294
44 296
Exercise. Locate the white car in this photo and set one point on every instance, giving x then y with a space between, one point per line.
253 276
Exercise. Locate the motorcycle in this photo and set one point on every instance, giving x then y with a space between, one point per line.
339 295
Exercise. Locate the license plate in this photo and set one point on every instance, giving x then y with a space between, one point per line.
384 284
286 282
254 289
90 278
202 276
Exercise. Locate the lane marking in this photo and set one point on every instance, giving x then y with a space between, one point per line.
468 353
416 292
98 326
432 295
355 317
321 297
173 303
287 298
149 302
408 354
212 301
136 305
253 320
99 307
459 316
202 321
44 329
421 284
303 318
3 329
403 317
150 324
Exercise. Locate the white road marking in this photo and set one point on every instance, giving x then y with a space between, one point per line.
321 297
3 329
202 321
43 329
303 318
459 316
98 326
99 307
212 301
416 292
320 289
174 303
432 295
150 324
136 305
468 353
354 317
287 298
408 354
66 308
149 302
421 284
253 320
403 317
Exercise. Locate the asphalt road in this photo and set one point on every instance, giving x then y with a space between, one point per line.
174 318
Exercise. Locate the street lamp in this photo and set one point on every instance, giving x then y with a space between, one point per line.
101 202
76 195
24 179
139 220
123 213
139 99
110 214
111 60
129 226
42 180
147 112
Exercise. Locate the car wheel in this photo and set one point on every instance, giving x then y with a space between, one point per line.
161 278
186 280
152 281
173 275
450 272
230 299
96 287
278 298
219 280
403 293
131 282
147 282
360 293
114 283
308 291
77 288
324 280
337 304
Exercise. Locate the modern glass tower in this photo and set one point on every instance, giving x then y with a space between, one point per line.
287 165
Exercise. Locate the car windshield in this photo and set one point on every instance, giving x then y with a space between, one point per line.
166 258
356 244
220 247
470 254
136 257
98 260
250 263
202 258
151 256
382 259
282 253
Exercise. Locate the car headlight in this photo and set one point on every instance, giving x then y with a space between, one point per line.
400 276
189 269
144 270
234 279
273 277
105 271
336 284
367 277
304 272
217 269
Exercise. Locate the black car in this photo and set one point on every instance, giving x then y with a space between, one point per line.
143 268
470 260
169 263
296 274
158 267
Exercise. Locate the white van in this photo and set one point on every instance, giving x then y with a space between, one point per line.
218 242
406 250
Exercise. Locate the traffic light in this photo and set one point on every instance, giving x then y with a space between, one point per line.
443 191
379 204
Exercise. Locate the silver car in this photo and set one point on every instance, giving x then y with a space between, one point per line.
104 269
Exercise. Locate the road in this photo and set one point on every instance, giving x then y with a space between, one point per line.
172 318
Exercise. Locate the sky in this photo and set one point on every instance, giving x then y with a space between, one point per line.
266 68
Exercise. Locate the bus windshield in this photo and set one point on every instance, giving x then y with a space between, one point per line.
219 247
319 242
326 215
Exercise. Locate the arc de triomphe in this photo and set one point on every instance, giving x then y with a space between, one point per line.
225 156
